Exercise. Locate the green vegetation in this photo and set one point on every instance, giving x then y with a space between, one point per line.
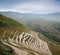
6 21
5 50
6 25
55 49
49 29
53 46
49 32
42 37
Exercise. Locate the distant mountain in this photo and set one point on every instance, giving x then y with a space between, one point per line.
28 16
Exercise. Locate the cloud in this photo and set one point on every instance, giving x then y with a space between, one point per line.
34 6
37 8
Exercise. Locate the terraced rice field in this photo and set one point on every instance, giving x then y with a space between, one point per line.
25 43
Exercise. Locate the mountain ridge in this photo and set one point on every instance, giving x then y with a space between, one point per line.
28 16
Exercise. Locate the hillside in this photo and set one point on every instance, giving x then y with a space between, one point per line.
26 18
48 28
19 40
6 21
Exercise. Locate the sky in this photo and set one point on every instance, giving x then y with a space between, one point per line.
30 6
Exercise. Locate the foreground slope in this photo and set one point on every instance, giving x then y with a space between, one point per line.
17 37
23 41
7 23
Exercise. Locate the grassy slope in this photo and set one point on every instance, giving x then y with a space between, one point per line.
8 23
54 47
5 50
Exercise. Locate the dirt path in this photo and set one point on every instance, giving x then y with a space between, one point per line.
18 51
